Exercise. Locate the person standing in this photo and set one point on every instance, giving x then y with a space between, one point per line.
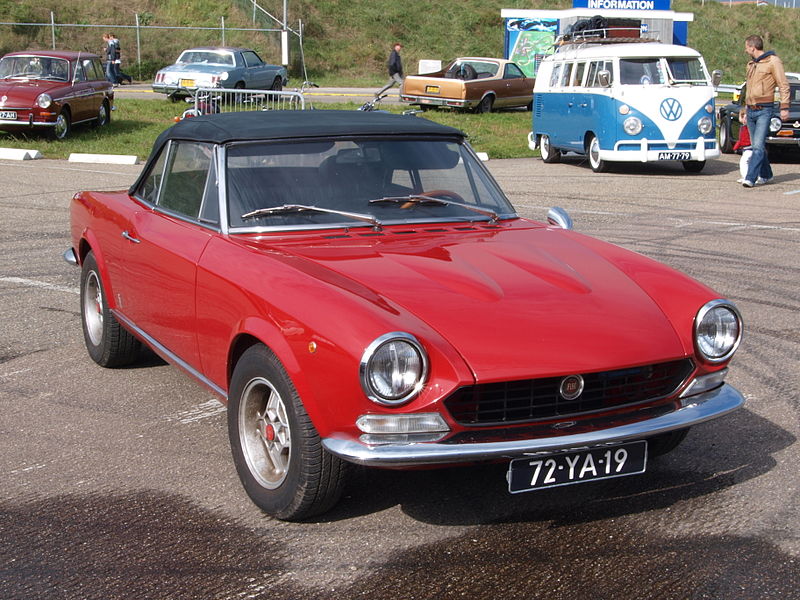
395 65
764 74
118 74
109 53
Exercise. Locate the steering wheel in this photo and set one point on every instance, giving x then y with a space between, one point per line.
445 195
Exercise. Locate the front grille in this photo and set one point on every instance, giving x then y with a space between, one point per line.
539 399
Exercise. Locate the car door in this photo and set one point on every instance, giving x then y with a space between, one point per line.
256 71
81 104
166 239
517 87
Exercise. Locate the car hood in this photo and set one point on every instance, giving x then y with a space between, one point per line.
520 301
16 90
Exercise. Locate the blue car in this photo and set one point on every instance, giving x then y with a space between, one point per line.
209 67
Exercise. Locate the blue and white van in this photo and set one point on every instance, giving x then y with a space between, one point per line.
625 102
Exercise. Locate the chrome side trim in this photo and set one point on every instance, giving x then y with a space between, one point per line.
169 356
70 256
697 409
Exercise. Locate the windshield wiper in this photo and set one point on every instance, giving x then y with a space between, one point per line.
290 208
422 199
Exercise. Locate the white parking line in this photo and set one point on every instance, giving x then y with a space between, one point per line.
791 193
40 284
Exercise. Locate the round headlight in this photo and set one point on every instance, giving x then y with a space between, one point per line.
775 124
223 76
44 101
393 368
632 125
718 330
705 125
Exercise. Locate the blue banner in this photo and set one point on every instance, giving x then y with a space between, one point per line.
623 4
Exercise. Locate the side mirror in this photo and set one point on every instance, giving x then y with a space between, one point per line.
716 77
604 78
558 216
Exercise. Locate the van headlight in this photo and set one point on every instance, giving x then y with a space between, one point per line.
632 125
775 124
393 368
705 125
44 101
717 330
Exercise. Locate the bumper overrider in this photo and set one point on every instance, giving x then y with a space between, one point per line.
408 453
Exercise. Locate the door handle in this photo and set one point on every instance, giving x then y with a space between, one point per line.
130 238
584 105
569 104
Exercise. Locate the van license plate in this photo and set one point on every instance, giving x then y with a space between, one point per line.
552 470
674 156
8 114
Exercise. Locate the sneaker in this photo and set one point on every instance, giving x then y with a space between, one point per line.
763 180
748 184
740 180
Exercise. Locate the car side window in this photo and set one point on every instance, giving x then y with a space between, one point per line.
512 72
251 59
185 178
148 192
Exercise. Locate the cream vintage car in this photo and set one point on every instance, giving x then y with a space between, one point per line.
481 84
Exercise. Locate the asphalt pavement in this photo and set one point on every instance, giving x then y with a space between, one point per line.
118 484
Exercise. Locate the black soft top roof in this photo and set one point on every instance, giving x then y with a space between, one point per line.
293 124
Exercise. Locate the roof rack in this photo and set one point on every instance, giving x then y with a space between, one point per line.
607 35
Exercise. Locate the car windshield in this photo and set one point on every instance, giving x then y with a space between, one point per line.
206 57
34 67
358 182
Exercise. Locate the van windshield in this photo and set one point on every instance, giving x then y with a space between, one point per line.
654 71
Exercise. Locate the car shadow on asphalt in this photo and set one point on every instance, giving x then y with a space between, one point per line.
708 461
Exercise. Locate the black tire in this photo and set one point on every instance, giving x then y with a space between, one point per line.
549 154
277 452
666 442
725 141
103 115
593 154
485 105
693 166
277 85
63 125
108 343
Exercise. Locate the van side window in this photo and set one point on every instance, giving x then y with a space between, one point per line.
579 70
555 75
566 74
594 68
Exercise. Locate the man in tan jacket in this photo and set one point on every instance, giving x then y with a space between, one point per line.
764 74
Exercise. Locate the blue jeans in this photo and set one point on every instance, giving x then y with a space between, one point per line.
758 124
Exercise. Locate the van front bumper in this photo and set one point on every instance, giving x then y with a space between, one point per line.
645 150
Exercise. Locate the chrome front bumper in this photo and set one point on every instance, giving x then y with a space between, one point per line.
695 410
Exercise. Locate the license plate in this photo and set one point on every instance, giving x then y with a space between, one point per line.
187 82
565 468
431 89
8 114
674 156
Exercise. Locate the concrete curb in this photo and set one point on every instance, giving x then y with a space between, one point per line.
19 154
115 159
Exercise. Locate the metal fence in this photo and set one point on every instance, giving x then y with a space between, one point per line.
220 100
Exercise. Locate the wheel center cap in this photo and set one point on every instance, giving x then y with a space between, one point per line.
269 432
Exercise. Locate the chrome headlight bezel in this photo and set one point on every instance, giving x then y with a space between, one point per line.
717 331
393 369
44 100
705 125
632 126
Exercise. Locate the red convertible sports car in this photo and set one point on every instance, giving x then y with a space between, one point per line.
358 289
53 90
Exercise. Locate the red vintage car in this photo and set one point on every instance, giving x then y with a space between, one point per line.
358 289
51 91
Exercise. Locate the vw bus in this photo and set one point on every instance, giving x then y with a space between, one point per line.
625 102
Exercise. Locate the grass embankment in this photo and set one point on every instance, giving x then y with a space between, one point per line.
135 124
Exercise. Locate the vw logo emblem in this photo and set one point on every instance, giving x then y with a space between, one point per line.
671 109
571 387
